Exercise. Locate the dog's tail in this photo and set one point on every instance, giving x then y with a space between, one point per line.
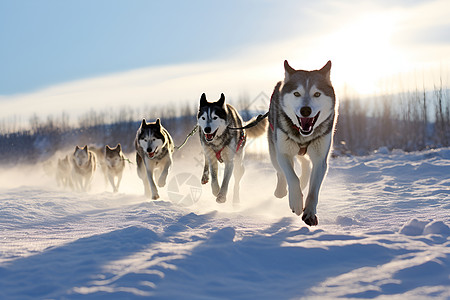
256 126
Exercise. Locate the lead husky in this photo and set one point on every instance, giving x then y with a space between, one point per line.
154 148
221 144
302 117
84 164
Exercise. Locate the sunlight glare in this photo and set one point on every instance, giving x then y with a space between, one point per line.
362 52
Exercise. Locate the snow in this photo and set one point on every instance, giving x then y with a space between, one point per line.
383 233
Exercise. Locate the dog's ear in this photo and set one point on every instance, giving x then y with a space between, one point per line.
77 148
203 100
158 123
144 123
325 71
288 71
107 147
118 147
221 101
85 148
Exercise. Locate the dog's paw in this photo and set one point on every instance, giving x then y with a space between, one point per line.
296 205
221 198
161 182
205 179
310 220
280 192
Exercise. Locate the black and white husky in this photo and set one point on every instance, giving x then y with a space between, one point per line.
84 164
302 118
154 148
221 144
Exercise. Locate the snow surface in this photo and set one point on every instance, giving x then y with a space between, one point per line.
383 233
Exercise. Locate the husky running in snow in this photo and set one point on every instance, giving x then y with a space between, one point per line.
64 172
302 118
112 162
154 148
84 164
221 144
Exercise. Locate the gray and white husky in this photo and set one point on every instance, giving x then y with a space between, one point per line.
84 164
221 144
64 172
302 118
112 162
154 148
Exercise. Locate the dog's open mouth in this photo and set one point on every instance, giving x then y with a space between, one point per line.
210 136
151 154
307 124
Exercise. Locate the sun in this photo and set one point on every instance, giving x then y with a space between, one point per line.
363 54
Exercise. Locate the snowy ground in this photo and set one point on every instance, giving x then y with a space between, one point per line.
383 233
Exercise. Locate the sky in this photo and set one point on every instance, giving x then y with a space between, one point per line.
74 56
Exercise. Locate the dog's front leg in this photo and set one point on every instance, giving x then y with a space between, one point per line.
163 177
318 154
205 176
222 196
151 181
213 166
295 194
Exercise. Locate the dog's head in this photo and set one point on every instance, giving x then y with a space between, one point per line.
113 156
150 137
307 97
212 117
81 155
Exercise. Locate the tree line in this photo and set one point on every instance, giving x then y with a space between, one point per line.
410 121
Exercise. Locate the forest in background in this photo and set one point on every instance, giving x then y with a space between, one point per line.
410 121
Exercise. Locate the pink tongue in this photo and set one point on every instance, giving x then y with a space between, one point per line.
151 154
209 136
306 123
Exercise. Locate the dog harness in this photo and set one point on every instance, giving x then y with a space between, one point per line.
303 149
240 144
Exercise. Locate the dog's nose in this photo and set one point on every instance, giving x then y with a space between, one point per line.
305 111
149 150
207 129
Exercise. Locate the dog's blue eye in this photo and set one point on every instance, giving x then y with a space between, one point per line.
215 118
317 94
297 94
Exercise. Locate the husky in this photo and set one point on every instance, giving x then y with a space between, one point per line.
154 149
221 144
302 119
64 172
112 162
84 164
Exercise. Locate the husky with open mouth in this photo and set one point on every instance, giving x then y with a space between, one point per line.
302 118
154 148
223 145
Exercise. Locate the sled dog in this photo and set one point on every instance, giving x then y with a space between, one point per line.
302 118
221 144
64 172
154 148
84 164
112 162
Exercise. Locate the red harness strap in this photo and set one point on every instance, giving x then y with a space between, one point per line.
239 145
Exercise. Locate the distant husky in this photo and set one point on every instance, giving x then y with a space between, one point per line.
84 164
64 172
112 162
154 148
221 144
302 117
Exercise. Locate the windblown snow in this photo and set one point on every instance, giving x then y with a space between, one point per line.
383 233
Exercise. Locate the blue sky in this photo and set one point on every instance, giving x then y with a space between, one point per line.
55 55
47 42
